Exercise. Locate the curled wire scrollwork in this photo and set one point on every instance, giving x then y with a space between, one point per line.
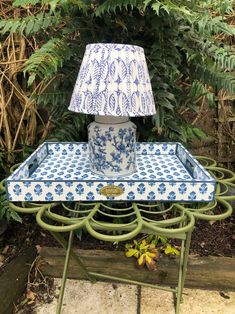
119 221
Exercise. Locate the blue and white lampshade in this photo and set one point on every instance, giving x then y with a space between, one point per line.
113 81
113 84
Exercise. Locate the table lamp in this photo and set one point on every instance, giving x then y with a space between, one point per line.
113 84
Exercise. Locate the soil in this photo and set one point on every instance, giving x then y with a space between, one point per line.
209 238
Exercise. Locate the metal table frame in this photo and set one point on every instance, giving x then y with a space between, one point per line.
136 218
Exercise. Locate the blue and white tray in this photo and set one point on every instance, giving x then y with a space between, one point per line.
61 172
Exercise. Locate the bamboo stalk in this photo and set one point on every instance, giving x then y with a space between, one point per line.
6 130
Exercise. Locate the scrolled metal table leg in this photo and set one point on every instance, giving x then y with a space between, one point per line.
183 262
65 271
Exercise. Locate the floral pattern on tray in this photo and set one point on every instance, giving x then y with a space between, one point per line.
64 175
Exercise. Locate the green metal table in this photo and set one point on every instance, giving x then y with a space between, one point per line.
121 221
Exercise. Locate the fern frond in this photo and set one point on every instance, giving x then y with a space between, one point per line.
46 61
29 25
112 5
221 7
55 98
213 76
214 25
53 4
199 89
78 3
224 57
169 7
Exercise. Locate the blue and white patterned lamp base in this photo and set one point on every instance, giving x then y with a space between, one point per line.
112 146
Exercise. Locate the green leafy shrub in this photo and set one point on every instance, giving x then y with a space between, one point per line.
179 38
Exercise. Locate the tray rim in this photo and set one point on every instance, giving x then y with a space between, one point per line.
209 179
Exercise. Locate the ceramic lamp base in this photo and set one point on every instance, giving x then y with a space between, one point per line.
112 146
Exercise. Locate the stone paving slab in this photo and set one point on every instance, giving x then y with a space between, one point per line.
83 297
195 301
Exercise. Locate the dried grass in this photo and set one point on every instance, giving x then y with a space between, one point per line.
19 118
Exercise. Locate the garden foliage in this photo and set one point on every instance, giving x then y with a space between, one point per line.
185 44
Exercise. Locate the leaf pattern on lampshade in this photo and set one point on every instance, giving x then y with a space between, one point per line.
113 80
